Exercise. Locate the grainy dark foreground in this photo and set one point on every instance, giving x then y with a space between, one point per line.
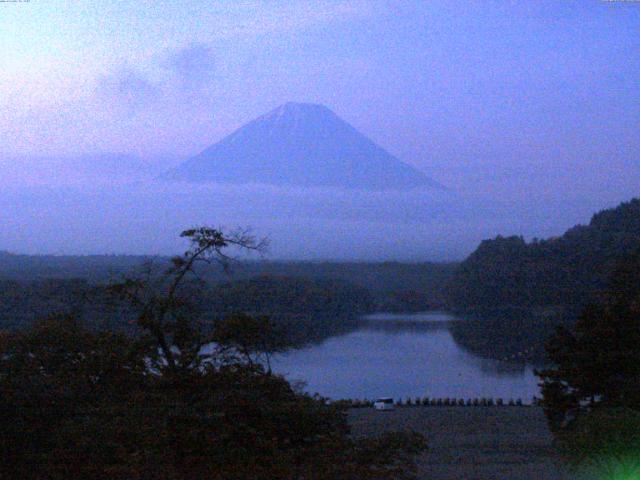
480 443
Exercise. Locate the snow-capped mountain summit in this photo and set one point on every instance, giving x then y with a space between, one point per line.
301 144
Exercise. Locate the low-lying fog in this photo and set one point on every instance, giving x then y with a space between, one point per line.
62 209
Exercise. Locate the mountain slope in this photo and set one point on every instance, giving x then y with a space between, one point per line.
517 292
303 145
570 270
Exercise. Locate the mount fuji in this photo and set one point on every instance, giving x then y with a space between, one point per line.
304 145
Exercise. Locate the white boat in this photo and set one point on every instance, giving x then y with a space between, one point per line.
385 403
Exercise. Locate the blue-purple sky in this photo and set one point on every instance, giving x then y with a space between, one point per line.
522 102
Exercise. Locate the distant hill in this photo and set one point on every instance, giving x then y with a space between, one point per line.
568 271
393 285
516 293
90 268
301 144
80 169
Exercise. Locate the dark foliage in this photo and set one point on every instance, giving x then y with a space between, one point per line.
546 283
596 373
304 310
510 334
76 403
567 270
394 286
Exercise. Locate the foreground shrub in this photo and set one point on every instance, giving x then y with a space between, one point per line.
170 404
606 441
75 404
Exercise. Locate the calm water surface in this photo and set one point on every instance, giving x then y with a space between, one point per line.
404 356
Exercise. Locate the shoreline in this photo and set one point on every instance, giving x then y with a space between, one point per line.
481 443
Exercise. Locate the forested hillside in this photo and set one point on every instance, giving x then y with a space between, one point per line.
93 268
268 295
394 286
515 293
566 271
304 310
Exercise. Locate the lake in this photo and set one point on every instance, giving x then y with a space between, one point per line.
400 356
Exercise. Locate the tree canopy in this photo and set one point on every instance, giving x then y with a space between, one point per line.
568 270
517 292
596 368
80 403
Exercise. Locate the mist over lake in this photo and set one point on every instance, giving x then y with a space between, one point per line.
145 217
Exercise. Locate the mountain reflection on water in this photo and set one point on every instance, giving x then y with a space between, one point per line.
404 356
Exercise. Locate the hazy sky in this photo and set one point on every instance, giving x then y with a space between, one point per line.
429 80
526 100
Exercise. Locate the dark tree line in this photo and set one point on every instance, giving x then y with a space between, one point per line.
304 310
393 286
567 271
592 392
516 292
76 403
